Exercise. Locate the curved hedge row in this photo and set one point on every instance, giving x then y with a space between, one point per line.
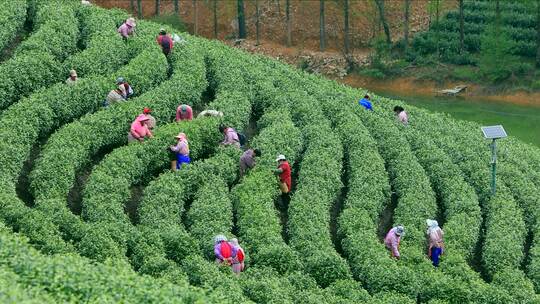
105 50
36 62
72 147
12 18
257 222
501 221
416 200
462 214
526 162
110 283
38 115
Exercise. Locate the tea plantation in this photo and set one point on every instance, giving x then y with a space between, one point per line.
86 217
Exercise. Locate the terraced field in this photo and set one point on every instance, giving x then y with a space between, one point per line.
87 217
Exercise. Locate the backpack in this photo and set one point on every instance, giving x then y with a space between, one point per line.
241 138
226 250
166 43
240 255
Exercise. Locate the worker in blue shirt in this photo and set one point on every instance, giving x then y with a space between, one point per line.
365 102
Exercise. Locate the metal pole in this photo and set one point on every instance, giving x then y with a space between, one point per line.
493 167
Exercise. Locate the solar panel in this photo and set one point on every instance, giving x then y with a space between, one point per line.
494 132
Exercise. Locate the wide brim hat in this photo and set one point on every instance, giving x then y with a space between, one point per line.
219 238
400 230
281 157
432 223
131 22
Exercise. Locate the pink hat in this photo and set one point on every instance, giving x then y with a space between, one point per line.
144 118
131 22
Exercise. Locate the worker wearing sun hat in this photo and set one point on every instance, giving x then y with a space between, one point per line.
238 259
127 91
223 250
72 77
165 41
151 120
182 150
115 95
184 112
435 240
284 174
127 28
392 240
139 129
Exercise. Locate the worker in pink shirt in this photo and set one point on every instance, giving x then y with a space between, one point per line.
139 129
435 240
182 150
401 115
247 160
392 239
151 120
184 112
127 28
230 136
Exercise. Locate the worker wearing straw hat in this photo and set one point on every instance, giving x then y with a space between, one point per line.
139 129
435 239
392 240
284 172
72 77
127 28
182 150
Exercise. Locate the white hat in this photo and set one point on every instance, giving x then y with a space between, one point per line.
73 73
131 22
280 157
432 223
219 238
400 230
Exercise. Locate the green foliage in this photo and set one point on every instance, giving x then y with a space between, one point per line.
465 74
436 167
36 61
12 18
497 63
66 277
172 20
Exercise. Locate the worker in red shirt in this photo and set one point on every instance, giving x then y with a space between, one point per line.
165 42
284 172
184 112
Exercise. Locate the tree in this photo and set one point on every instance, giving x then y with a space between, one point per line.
380 6
176 7
322 35
346 43
132 6
538 33
139 9
257 24
288 21
195 17
461 27
214 10
496 60
241 19
158 2
406 25
434 7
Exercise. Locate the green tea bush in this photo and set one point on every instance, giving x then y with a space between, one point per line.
36 62
12 18
66 277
